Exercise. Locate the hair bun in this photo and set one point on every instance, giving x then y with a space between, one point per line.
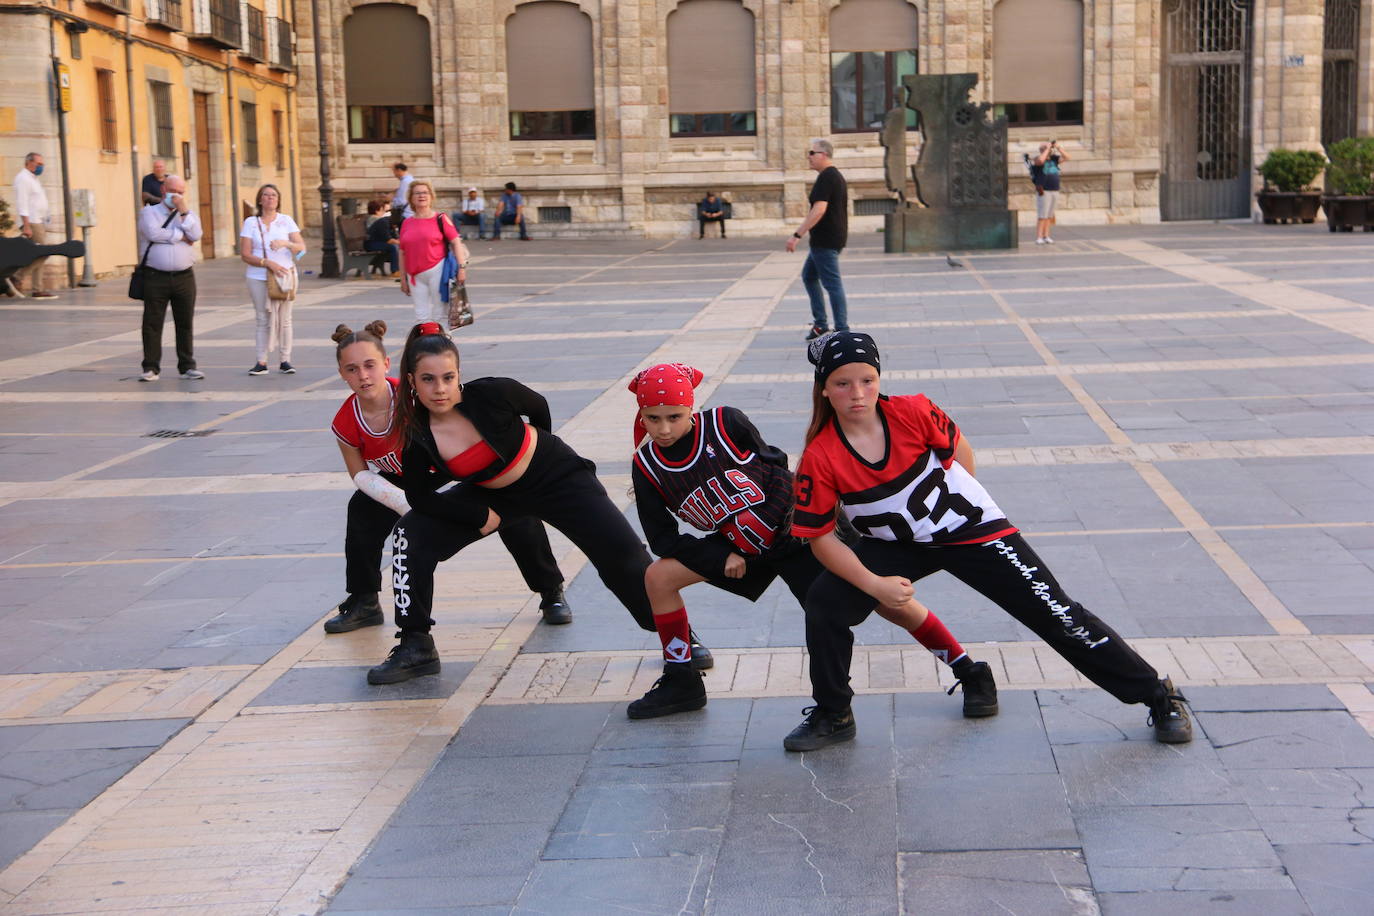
377 327
340 333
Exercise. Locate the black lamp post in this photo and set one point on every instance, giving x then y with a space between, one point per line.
329 263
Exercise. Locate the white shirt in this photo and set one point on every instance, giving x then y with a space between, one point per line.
474 204
170 250
399 199
281 227
29 197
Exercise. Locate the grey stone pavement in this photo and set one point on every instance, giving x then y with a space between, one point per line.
1180 417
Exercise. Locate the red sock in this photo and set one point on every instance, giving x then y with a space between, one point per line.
673 633
938 639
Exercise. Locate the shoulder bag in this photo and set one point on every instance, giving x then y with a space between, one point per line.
136 278
459 309
279 288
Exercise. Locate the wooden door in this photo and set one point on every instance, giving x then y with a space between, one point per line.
204 188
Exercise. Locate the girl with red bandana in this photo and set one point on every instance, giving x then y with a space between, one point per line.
713 470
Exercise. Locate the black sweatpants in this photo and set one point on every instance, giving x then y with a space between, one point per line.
161 289
370 524
560 488
1007 572
791 560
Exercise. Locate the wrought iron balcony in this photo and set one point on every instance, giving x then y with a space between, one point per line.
281 50
254 44
119 6
163 13
217 22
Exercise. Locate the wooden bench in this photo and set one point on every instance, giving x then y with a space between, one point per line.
352 239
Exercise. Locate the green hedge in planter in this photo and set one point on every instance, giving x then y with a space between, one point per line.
1291 170
1352 165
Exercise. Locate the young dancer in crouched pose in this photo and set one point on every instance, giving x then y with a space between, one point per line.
491 438
903 474
365 428
713 470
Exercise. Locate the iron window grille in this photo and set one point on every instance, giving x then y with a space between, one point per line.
163 13
250 133
162 118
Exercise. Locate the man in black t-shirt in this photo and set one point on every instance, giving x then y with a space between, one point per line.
152 183
828 223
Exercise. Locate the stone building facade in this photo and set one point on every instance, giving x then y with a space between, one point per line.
603 112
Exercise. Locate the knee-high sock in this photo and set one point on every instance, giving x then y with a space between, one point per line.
674 633
936 637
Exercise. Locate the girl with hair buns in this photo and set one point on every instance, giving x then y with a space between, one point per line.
365 428
903 474
493 438
713 470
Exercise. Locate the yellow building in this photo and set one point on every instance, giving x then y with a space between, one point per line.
103 89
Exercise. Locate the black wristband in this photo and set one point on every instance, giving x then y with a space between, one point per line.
796 235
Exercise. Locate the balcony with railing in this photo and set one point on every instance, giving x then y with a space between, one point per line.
254 44
119 6
164 14
217 22
281 50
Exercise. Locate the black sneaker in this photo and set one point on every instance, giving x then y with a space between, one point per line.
679 690
554 607
980 690
701 656
356 612
414 656
1169 716
816 331
258 369
286 369
819 729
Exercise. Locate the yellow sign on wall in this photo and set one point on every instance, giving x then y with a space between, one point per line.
64 88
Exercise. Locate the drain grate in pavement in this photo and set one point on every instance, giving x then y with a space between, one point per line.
178 433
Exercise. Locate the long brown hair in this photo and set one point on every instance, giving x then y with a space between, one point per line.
344 336
821 411
418 344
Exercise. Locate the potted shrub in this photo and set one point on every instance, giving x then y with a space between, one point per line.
1348 181
1288 176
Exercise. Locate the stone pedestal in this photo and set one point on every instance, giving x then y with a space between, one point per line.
949 229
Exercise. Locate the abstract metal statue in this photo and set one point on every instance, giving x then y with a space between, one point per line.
960 175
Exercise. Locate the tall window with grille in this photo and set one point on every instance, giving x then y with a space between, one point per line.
163 144
249 112
255 26
711 69
872 46
1037 61
278 139
550 72
1340 69
109 122
387 75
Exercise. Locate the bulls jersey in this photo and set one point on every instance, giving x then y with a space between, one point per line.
917 492
720 478
381 448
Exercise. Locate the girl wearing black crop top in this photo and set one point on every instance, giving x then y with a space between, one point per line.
365 430
476 436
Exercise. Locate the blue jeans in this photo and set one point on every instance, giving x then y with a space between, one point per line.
507 219
475 219
822 268
392 253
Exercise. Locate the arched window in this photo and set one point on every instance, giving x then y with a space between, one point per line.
711 68
872 46
1037 61
549 72
390 90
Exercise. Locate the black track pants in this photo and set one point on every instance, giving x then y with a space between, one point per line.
1008 573
370 524
560 488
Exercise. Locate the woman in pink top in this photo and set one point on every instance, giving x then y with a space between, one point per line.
425 239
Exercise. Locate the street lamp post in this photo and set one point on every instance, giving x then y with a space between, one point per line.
329 262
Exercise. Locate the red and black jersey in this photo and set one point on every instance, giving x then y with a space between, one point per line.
381 449
917 492
722 478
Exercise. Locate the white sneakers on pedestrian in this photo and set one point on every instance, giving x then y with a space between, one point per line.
148 376
193 375
1039 241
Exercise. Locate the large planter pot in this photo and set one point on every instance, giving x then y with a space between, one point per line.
1344 212
1289 206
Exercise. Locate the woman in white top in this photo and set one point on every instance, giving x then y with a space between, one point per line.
270 241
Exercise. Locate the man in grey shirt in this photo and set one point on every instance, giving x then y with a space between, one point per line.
168 231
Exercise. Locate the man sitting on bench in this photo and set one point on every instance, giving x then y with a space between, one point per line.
711 209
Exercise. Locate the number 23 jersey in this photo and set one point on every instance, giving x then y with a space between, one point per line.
916 492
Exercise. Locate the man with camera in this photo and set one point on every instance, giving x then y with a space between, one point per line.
168 231
1045 174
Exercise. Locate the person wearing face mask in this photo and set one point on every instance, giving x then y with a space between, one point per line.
168 232
31 205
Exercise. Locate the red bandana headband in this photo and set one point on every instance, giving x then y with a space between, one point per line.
664 385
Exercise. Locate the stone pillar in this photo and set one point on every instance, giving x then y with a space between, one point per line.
1287 75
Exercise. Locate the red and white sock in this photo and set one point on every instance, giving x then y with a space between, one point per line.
936 637
673 632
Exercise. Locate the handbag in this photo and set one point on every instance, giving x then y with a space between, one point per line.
459 309
136 278
279 288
